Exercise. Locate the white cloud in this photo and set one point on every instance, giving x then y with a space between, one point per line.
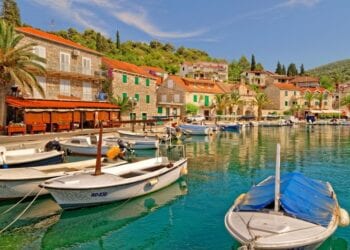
308 3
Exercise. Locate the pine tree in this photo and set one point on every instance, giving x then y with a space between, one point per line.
259 66
279 68
292 70
283 72
302 70
244 63
117 43
10 12
253 63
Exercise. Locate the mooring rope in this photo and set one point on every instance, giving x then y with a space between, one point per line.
25 210
16 204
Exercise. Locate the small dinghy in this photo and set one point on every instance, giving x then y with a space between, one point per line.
139 136
291 212
135 143
194 129
29 157
20 182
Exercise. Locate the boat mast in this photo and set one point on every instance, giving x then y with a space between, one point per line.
277 178
99 148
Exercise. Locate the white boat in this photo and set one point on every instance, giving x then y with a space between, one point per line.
137 136
291 212
135 143
29 157
20 182
117 183
194 129
84 145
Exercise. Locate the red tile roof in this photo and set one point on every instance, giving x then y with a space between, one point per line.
56 104
318 89
53 38
197 86
286 86
300 79
155 69
127 67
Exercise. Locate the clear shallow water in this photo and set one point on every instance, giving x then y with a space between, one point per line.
189 214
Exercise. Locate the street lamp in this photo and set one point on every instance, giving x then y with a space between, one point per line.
133 102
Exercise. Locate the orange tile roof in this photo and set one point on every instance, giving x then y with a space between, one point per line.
151 68
127 67
56 104
300 79
286 86
317 89
198 86
53 38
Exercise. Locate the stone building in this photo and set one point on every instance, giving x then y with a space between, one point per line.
131 81
260 78
72 86
215 71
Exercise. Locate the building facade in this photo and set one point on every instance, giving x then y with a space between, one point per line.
131 81
205 71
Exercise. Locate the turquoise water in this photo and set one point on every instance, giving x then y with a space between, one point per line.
189 214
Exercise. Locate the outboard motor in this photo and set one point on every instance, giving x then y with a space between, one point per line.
53 145
124 146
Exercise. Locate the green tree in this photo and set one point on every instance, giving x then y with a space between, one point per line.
259 66
260 100
235 99
191 108
309 96
320 97
10 12
302 70
117 40
123 102
345 101
244 63
284 72
17 63
292 70
221 102
253 63
327 83
279 68
234 71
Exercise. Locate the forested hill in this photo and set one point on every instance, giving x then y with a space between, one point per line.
339 70
154 53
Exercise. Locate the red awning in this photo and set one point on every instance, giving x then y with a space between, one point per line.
56 104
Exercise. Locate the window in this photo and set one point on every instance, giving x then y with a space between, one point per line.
164 98
137 80
170 84
206 101
125 95
295 93
148 99
176 98
132 116
65 87
144 116
86 66
160 110
147 82
325 103
125 78
40 51
286 103
195 98
137 97
42 82
87 91
64 62
286 93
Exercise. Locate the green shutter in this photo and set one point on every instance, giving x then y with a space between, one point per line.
160 110
147 82
286 103
206 101
137 96
195 98
136 80
144 116
148 99
125 95
125 78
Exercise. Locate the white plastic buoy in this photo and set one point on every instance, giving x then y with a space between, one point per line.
344 219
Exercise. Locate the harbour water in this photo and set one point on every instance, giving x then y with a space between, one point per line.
190 213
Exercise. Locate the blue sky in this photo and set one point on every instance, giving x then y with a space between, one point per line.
312 32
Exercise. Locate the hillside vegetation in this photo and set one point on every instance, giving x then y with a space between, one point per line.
154 53
338 71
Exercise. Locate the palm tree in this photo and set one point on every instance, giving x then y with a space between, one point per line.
221 102
345 101
235 99
123 102
261 99
17 65
309 96
320 97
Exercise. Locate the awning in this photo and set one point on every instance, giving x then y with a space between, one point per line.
53 105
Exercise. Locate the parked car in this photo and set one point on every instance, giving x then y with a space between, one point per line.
196 118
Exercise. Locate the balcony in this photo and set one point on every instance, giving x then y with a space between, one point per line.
74 72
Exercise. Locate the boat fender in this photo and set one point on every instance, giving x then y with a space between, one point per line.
239 199
344 220
153 181
184 170
113 152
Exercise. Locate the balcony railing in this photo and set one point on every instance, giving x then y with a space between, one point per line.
72 69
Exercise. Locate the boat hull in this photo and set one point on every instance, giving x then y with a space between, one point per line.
195 129
55 159
77 198
84 150
20 188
